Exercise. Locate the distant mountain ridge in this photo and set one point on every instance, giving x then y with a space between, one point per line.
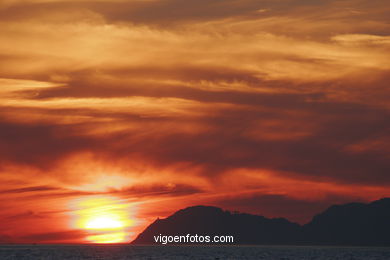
354 224
351 224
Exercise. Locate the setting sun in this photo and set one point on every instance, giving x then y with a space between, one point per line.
105 218
108 222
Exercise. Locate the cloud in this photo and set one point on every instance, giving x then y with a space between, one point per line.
54 237
169 189
30 189
362 39
26 215
265 137
39 145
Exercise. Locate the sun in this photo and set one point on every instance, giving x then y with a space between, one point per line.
105 219
105 222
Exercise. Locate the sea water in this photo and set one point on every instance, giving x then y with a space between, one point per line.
119 252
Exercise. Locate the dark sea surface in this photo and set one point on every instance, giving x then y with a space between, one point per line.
119 252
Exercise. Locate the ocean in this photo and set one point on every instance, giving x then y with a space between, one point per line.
119 252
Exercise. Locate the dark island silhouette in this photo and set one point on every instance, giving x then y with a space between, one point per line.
353 224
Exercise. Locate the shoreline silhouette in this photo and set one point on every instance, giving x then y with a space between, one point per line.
352 224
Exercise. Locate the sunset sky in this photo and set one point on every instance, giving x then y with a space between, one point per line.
122 111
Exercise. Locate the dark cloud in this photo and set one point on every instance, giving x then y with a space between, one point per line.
26 215
62 194
158 91
30 189
39 145
176 12
311 96
318 157
153 12
158 190
54 237
321 153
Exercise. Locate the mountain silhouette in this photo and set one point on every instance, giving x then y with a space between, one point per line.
350 224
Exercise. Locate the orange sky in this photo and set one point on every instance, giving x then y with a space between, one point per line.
134 109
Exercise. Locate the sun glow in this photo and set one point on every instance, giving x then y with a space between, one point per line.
117 237
106 219
107 222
